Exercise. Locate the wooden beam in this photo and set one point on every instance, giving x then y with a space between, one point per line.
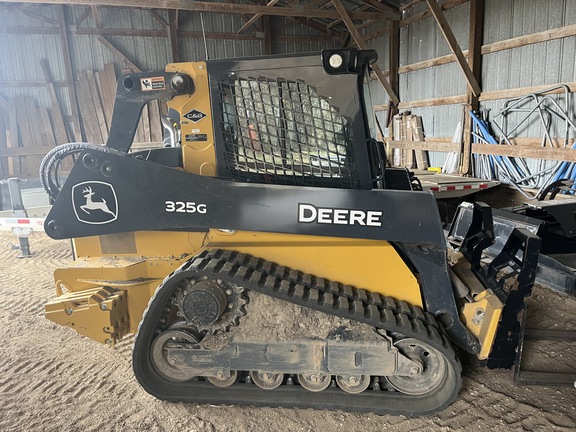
96 15
453 44
339 20
475 37
449 100
548 153
118 54
394 55
57 113
29 30
172 30
377 33
67 54
362 45
36 16
24 151
30 83
213 7
391 12
432 145
267 35
522 91
437 61
256 17
89 31
425 14
544 36
83 16
159 18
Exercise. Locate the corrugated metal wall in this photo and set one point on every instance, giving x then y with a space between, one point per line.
20 53
539 64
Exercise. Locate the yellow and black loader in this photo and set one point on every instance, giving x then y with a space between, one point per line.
270 185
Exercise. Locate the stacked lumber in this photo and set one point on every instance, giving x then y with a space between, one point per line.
96 93
408 127
27 133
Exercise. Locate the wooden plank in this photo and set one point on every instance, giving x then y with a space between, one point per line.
67 52
453 44
440 146
107 87
437 61
58 124
88 114
156 134
522 91
347 18
449 100
34 123
97 101
407 134
48 138
544 36
30 83
145 121
13 152
415 124
548 153
23 127
547 35
393 55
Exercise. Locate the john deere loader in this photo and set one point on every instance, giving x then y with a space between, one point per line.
267 256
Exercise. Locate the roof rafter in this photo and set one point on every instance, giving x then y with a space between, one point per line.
226 8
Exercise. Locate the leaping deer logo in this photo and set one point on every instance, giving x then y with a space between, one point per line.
95 202
94 205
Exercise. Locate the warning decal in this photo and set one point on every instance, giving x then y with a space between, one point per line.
152 83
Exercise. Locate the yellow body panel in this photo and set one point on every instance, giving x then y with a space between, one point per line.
199 156
481 317
370 264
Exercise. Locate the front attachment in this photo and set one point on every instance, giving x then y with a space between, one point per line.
509 276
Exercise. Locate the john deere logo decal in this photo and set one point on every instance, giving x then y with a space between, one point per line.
95 202
195 115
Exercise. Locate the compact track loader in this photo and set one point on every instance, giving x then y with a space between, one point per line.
268 256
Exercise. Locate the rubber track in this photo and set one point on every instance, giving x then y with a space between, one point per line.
307 291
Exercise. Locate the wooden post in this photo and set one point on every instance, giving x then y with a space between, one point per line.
267 35
66 52
394 55
475 62
172 29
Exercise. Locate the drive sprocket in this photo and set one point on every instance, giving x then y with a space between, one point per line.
210 305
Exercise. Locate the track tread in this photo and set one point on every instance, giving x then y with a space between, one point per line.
305 290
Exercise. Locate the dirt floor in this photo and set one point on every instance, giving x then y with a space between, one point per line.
55 380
